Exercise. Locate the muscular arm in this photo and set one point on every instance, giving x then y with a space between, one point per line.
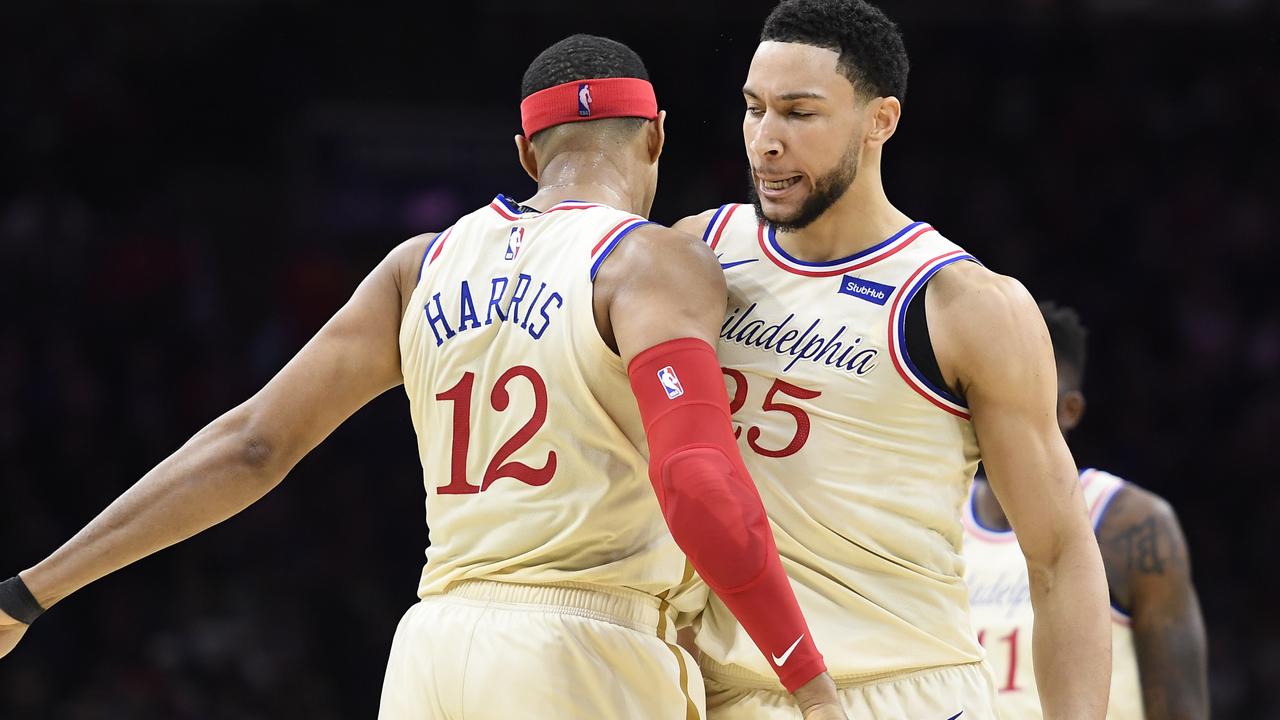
993 347
1150 575
242 455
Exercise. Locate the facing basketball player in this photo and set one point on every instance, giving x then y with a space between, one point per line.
871 362
1158 668
525 337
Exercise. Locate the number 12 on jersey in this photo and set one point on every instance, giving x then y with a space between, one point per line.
498 467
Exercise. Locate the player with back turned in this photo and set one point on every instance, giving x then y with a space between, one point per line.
525 336
872 363
1158 666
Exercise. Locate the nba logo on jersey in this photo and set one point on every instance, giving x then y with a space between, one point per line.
514 242
584 100
670 382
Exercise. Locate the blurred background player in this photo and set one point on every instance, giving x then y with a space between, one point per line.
872 363
1158 639
551 580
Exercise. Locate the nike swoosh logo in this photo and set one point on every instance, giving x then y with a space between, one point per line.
780 661
953 717
736 263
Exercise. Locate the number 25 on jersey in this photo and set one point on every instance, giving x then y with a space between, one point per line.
801 418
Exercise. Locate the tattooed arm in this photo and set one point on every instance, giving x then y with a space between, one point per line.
1150 575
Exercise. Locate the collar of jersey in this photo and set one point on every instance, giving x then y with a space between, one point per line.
768 235
515 208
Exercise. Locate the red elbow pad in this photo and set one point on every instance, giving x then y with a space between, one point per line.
711 505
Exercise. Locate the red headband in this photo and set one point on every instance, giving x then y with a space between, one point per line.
588 100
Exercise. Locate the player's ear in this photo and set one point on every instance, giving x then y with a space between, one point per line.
885 114
1071 406
528 158
657 136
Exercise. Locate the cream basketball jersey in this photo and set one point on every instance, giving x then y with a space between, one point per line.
862 465
997 577
532 449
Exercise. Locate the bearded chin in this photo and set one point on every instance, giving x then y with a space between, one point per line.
827 191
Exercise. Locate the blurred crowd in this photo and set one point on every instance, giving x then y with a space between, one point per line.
188 190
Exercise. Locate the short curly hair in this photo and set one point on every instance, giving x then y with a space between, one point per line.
1069 336
872 54
581 57
585 57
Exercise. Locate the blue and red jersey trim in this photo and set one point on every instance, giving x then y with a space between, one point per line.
436 244
767 235
610 241
1098 511
719 221
916 380
510 209
1102 503
974 525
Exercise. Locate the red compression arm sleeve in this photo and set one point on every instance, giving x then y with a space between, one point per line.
711 505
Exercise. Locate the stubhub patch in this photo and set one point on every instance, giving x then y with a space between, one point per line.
866 290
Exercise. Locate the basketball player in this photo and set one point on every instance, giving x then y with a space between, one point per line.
1158 641
870 363
525 337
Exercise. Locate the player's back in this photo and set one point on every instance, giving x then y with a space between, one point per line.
1000 598
533 453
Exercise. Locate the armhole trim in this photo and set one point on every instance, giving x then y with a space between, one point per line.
610 241
437 240
1110 487
715 229
941 397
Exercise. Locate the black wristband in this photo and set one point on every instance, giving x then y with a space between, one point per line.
18 602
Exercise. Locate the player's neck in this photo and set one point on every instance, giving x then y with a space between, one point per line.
987 507
861 218
588 177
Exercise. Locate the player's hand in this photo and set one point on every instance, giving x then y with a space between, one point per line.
11 631
818 699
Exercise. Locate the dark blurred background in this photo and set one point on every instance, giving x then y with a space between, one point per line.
188 189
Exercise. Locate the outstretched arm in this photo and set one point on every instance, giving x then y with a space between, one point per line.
1150 574
992 345
661 300
239 457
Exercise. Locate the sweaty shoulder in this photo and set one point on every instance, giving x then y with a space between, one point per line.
656 255
981 321
696 225
654 283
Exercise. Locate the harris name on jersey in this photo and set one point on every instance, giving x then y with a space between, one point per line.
517 310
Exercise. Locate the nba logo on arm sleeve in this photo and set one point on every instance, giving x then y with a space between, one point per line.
584 100
670 383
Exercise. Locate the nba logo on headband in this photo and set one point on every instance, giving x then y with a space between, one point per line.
595 98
